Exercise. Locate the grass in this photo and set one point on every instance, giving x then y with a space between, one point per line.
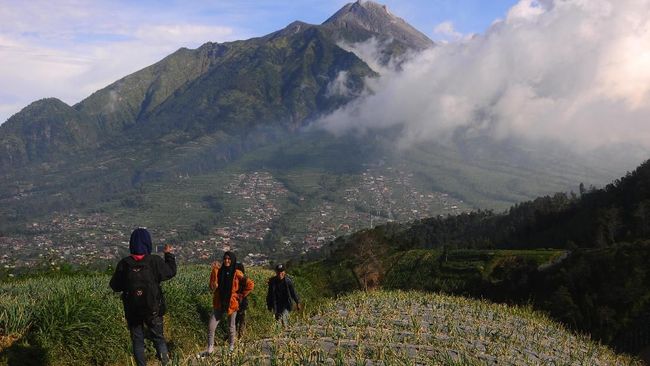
63 320
79 321
414 328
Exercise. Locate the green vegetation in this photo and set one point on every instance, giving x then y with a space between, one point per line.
414 328
462 271
599 291
78 321
599 286
594 218
458 271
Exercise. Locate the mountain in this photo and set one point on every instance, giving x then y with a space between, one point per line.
219 139
47 127
363 20
281 78
194 110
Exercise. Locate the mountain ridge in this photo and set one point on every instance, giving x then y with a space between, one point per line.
137 97
375 19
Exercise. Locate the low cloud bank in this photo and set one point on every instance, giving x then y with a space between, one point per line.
573 71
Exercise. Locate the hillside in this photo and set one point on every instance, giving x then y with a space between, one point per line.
307 189
162 148
61 326
433 329
594 218
597 284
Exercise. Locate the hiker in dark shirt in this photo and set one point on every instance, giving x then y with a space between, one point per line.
280 294
138 277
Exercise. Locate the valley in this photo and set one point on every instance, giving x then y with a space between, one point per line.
253 213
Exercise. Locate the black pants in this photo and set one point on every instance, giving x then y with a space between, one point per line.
240 322
155 333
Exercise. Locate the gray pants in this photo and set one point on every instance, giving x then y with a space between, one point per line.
283 318
214 323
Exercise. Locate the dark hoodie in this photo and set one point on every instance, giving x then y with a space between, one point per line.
280 293
140 249
226 276
140 242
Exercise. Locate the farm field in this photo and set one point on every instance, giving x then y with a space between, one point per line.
78 321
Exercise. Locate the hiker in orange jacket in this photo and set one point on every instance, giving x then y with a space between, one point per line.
225 283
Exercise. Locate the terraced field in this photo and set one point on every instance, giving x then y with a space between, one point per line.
79 321
413 328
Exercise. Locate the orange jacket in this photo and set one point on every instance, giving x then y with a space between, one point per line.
235 297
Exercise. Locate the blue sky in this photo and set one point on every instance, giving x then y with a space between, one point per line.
70 48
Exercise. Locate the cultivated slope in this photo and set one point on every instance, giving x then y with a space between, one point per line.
386 328
60 322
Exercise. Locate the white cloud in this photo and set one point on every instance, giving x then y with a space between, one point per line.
447 32
574 71
339 86
526 10
369 52
70 49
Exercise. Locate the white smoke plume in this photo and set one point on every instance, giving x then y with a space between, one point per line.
572 71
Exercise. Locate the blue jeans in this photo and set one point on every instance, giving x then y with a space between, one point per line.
155 333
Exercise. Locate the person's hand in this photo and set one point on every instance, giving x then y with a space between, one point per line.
298 306
216 265
168 248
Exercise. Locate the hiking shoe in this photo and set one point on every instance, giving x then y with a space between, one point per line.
205 353
231 348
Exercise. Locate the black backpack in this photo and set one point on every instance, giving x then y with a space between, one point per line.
142 296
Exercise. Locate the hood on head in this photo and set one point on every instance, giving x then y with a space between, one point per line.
233 258
140 242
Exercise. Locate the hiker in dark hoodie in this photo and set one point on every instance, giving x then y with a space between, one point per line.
280 294
138 277
229 286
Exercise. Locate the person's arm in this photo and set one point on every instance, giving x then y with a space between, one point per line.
248 285
117 281
214 278
293 293
167 270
